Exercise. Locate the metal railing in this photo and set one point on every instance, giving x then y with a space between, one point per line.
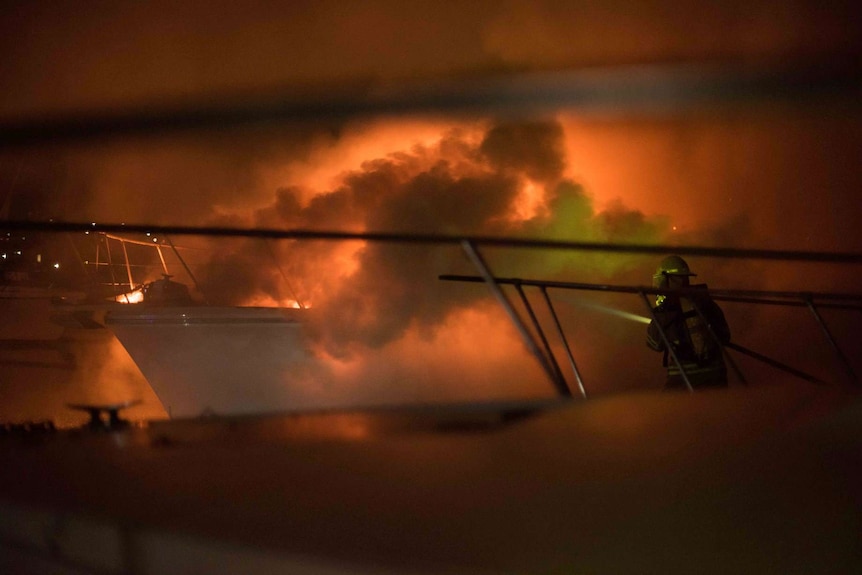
812 300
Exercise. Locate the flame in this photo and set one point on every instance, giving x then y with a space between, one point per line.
134 296
264 300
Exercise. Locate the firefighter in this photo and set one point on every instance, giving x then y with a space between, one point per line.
697 338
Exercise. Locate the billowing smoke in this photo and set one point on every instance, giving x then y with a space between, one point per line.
505 179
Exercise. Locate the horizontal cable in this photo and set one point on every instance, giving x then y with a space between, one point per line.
441 239
751 294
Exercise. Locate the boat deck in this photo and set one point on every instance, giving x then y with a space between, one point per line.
760 479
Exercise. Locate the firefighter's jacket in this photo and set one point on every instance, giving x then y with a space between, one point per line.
693 340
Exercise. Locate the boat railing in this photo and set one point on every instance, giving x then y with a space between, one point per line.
814 301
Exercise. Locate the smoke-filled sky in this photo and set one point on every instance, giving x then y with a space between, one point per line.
765 175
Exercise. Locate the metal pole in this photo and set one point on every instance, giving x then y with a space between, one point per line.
549 352
724 352
578 377
667 343
183 262
80 259
114 282
283 275
841 357
128 266
774 363
477 260
162 257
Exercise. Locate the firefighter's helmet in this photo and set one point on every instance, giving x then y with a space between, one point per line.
670 266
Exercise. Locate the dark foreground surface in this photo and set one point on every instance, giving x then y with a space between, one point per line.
760 479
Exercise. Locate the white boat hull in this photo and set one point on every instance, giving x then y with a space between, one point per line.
215 360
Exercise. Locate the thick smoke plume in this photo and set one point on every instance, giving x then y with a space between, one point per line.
506 179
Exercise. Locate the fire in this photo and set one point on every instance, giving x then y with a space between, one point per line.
134 296
263 300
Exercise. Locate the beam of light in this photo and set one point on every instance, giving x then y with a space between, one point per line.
606 309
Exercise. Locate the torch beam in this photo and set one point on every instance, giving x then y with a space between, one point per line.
606 309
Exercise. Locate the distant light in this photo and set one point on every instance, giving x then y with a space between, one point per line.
92 223
57 265
4 256
38 258
18 253
155 240
148 234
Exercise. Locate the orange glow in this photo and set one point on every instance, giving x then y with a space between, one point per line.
343 261
361 143
134 296
417 367
700 170
529 203
263 300
620 164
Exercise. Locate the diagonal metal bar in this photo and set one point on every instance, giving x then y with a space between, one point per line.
549 353
532 347
831 339
111 266
184 264
715 338
284 277
667 343
562 335
162 259
775 363
128 265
